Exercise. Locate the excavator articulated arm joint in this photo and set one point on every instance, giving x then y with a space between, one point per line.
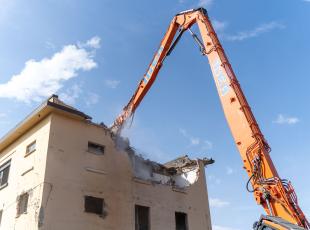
275 195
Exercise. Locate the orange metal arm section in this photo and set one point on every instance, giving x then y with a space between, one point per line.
148 79
275 195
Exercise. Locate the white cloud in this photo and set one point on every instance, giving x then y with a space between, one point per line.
92 99
205 3
306 0
195 141
218 203
40 79
113 84
71 94
219 227
229 170
264 28
94 42
283 119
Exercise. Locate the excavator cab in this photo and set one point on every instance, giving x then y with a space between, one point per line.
274 223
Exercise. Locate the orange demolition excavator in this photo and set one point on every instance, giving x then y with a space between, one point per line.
276 195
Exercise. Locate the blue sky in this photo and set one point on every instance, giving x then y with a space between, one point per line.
93 53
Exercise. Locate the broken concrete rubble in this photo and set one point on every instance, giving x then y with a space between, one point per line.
181 172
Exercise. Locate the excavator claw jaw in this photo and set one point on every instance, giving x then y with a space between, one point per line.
274 223
203 10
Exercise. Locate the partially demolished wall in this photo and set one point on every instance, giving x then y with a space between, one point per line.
181 172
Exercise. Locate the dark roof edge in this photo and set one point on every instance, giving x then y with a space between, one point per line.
47 103
69 110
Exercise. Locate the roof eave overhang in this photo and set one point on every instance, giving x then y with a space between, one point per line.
35 117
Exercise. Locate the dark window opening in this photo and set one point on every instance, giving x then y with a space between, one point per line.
181 221
1 211
4 174
95 148
31 148
94 205
142 218
22 204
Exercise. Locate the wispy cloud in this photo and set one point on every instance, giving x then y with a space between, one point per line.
39 79
219 227
112 84
94 42
192 140
205 3
261 29
218 203
50 45
219 25
283 119
306 0
214 180
207 145
91 99
71 94
196 141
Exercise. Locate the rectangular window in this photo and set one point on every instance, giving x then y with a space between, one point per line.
142 218
4 174
22 203
95 148
30 148
1 211
94 205
181 221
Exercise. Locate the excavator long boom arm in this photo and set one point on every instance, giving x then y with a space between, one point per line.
275 195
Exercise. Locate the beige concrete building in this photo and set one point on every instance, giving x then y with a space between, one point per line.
61 171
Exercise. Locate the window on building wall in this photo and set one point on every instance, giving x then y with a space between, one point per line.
4 174
181 221
94 205
22 203
142 217
30 148
1 211
95 148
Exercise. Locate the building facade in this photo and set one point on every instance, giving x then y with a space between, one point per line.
61 171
